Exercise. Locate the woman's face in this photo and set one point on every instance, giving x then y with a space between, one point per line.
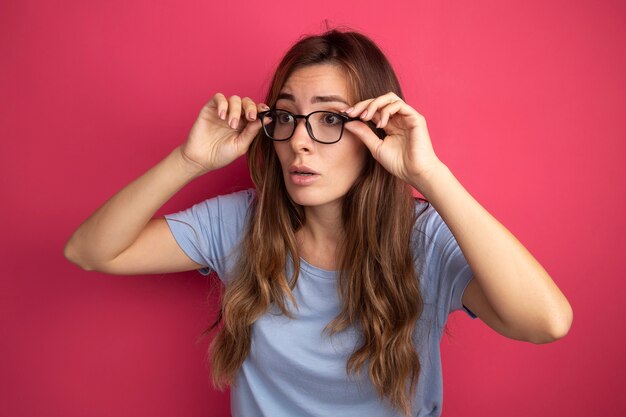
336 166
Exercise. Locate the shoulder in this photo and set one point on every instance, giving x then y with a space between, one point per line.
243 197
228 207
431 236
427 220
236 200
210 231
216 216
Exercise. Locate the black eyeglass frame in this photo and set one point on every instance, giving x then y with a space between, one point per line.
345 119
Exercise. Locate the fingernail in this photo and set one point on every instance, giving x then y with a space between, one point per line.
349 110
364 114
251 116
223 115
233 123
378 125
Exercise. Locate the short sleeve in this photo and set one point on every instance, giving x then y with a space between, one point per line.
210 232
446 270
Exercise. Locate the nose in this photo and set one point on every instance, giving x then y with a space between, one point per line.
301 141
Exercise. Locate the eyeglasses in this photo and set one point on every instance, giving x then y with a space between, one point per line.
322 126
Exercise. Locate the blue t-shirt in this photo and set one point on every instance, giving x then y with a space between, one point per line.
293 368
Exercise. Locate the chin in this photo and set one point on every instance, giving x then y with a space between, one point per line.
303 197
312 197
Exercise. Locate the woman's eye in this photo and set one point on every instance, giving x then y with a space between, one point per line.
331 119
284 118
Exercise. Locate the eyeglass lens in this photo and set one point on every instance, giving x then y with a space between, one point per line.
325 126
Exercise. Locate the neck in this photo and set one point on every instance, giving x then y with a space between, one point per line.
320 236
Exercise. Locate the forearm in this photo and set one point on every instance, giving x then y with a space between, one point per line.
118 222
517 287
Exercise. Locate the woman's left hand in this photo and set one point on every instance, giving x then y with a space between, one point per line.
406 151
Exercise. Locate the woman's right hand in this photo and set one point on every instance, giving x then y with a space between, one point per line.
223 132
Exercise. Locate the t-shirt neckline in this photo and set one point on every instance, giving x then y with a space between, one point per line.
315 271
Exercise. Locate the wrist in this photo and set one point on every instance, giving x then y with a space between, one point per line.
426 180
187 167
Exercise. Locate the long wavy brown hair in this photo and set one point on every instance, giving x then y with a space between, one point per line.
377 284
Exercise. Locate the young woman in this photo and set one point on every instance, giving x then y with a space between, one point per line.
338 283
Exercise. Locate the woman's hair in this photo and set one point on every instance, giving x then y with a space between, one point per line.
377 285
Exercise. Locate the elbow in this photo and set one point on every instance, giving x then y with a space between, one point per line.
564 324
559 327
72 254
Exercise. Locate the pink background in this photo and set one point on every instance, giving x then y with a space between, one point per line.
525 102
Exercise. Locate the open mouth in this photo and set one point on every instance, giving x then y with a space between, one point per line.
303 175
302 170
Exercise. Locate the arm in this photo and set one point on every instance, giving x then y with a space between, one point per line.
510 291
104 242
121 237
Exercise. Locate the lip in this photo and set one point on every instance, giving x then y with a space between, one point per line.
298 179
302 168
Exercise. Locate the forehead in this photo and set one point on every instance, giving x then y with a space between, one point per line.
317 81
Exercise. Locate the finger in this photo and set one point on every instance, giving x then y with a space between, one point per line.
222 105
248 134
372 124
368 107
261 107
234 111
374 121
355 110
367 136
249 108
378 103
387 112
410 117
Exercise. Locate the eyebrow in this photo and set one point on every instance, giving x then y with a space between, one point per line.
315 99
